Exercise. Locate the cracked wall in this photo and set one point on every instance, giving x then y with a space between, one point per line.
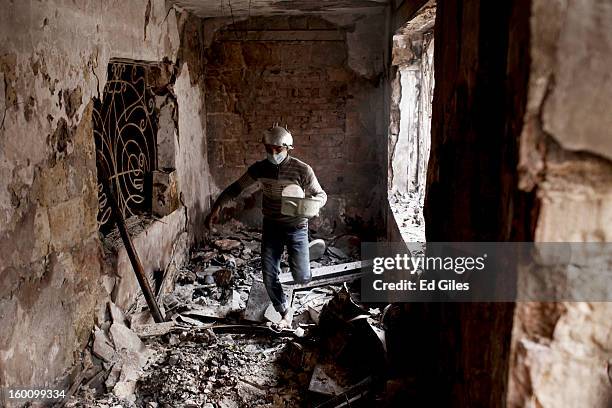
409 147
562 353
53 61
413 83
323 79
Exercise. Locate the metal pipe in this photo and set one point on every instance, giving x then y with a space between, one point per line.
131 251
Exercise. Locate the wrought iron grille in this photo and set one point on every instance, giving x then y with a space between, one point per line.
125 129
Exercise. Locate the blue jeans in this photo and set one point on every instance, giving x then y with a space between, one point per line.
275 236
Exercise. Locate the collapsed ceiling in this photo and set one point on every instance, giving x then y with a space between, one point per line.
228 8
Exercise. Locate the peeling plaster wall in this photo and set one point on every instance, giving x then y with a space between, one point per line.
412 92
410 145
191 158
562 353
53 60
577 73
161 243
322 77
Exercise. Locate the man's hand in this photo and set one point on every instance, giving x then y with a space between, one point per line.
212 218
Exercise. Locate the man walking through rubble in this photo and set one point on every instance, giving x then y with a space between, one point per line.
276 172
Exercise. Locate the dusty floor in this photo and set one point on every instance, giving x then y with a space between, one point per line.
204 370
210 356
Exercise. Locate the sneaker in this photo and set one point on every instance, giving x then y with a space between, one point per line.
316 249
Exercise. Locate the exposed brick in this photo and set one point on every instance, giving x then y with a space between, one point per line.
220 105
229 53
328 53
235 80
304 84
215 154
213 83
224 126
234 153
294 55
335 74
260 54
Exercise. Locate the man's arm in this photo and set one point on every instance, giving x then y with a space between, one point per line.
312 188
229 194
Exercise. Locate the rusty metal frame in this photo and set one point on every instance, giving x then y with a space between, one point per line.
125 129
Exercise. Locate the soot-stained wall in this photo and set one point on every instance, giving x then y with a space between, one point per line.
53 61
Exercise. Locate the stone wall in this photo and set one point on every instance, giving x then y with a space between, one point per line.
322 79
53 61
562 353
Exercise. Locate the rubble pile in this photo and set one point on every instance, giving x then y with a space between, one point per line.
115 361
216 347
407 209
230 370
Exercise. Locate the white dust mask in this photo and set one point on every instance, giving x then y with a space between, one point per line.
277 158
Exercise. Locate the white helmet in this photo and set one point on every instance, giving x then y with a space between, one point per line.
278 136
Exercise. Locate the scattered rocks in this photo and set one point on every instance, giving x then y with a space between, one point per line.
272 315
125 339
184 363
226 244
116 314
223 277
102 347
407 209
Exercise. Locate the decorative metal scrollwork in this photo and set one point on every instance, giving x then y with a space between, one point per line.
125 128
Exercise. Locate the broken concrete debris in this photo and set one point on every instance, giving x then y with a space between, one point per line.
272 315
214 349
154 329
259 301
223 277
227 244
121 352
102 347
116 314
125 339
334 383
407 208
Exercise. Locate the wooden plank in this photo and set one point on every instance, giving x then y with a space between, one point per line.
332 280
327 271
154 329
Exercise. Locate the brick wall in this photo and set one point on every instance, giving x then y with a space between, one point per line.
295 70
